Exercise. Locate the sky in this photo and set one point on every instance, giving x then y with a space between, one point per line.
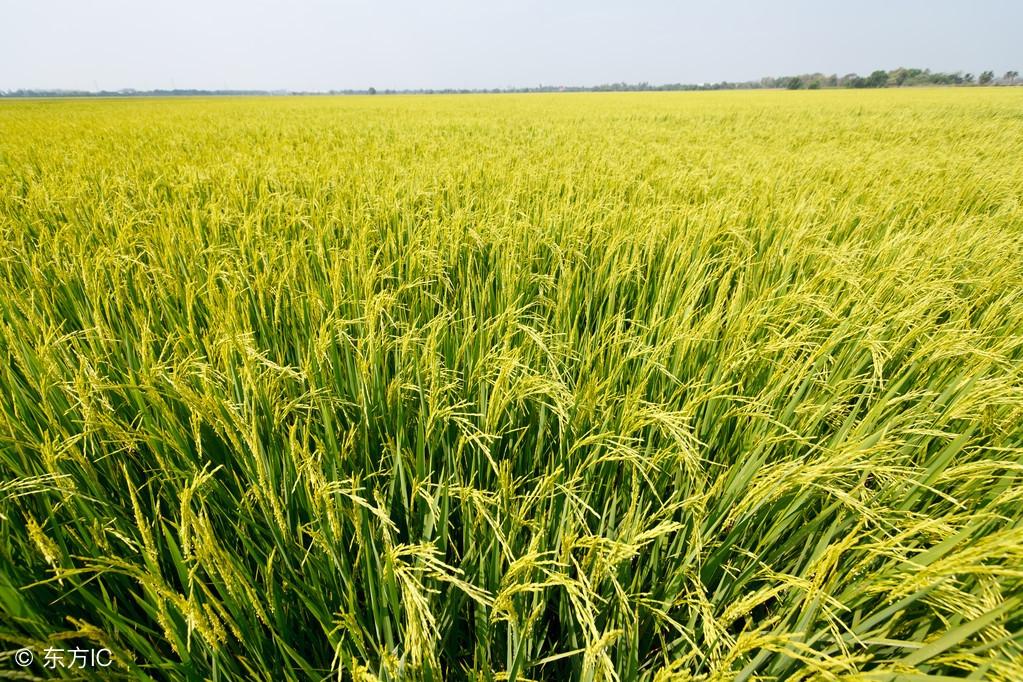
405 44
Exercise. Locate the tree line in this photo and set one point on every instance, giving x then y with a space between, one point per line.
896 78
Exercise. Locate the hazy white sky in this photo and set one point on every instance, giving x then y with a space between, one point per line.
321 44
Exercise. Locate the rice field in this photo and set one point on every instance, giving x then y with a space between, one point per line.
674 386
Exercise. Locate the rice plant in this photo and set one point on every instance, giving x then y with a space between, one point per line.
574 387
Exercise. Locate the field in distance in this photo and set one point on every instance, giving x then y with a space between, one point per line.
675 386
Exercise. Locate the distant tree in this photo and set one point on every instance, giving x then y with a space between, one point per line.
878 79
1011 76
986 77
898 77
372 91
794 83
915 77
